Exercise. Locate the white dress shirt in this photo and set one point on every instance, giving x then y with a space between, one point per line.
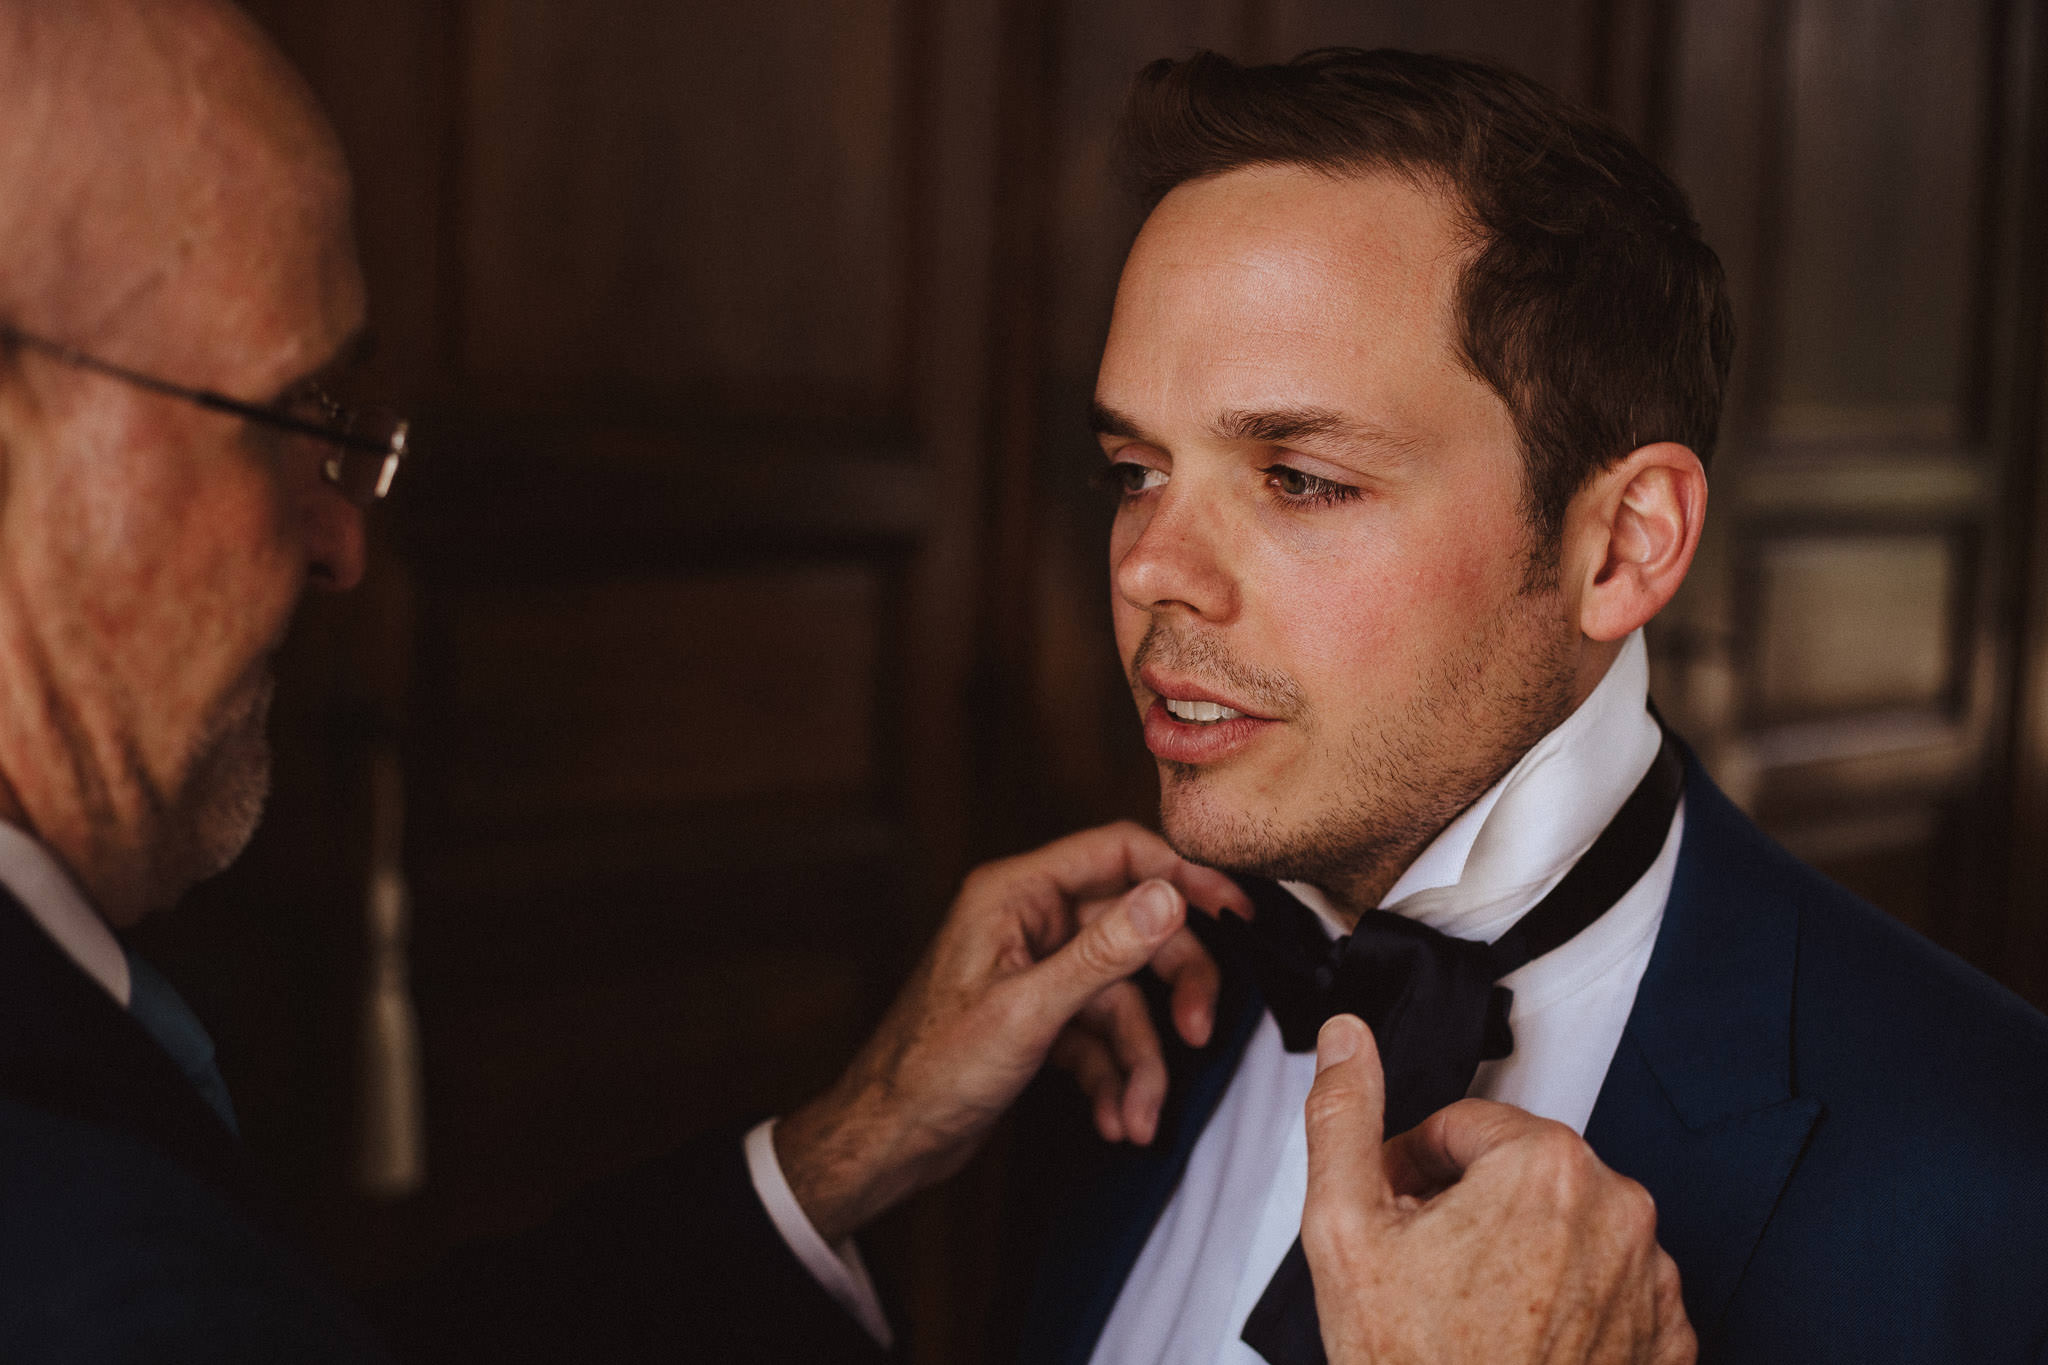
54 901
1238 1207
839 1269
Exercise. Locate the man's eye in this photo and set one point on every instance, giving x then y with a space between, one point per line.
1127 478
1299 489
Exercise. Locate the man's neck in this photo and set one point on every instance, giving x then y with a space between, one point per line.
112 884
1348 896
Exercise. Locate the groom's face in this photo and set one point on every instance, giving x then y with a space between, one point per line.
1328 599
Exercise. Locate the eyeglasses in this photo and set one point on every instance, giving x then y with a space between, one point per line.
368 444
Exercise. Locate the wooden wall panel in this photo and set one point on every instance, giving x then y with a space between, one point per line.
583 702
1856 622
1877 323
540 1063
1837 653
699 202
1555 43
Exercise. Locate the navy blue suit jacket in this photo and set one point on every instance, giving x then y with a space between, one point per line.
1845 1130
131 1230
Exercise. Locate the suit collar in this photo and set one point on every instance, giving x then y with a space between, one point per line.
1701 1103
66 1047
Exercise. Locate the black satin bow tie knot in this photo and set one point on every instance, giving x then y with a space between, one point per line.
1430 999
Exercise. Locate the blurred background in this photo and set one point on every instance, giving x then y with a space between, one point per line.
751 587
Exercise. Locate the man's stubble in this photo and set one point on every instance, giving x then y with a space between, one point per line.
228 781
1405 776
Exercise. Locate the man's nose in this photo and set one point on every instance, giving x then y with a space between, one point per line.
1180 558
334 538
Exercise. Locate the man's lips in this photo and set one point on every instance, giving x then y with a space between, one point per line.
1187 690
1190 737
1181 741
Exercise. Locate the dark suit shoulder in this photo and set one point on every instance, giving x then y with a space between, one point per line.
1910 1226
110 1251
1890 1024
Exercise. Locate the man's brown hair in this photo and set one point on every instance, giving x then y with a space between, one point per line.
1590 304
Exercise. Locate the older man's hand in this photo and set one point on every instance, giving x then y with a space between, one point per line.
1036 948
1484 1236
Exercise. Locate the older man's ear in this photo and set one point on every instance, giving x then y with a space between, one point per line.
1630 536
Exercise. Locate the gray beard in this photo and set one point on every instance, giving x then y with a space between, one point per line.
227 787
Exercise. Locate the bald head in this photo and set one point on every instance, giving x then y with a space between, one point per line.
173 202
148 146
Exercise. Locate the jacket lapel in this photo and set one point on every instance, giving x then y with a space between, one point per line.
68 1048
1099 1236
1700 1103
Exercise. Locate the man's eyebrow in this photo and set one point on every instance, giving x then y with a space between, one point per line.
1104 420
1281 426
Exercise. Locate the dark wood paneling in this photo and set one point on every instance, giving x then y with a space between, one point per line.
579 703
702 199
1850 621
1883 214
1555 43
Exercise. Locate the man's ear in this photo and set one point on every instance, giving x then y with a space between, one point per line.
1632 531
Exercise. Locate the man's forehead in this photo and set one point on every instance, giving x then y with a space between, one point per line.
186 180
1296 228
1281 292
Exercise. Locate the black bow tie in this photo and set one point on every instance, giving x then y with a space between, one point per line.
1431 1000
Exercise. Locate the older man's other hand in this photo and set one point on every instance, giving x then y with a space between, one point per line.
1484 1236
1036 948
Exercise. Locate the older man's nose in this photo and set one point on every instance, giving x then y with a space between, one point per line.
335 538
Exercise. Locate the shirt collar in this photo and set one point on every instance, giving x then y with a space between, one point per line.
1521 836
54 901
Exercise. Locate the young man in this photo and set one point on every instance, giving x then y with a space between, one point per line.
1412 378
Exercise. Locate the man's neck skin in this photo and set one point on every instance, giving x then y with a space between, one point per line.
117 885
1352 896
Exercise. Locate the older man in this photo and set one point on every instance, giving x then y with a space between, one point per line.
1412 377
176 279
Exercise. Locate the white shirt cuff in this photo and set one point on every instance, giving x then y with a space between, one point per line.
838 1270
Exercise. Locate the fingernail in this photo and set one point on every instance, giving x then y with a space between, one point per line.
1338 1041
1152 907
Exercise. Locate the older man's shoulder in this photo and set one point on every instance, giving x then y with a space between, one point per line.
111 1251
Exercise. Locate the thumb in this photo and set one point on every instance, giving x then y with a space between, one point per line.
1104 953
1345 1112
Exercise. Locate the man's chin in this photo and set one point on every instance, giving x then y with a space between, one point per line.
1208 827
230 787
